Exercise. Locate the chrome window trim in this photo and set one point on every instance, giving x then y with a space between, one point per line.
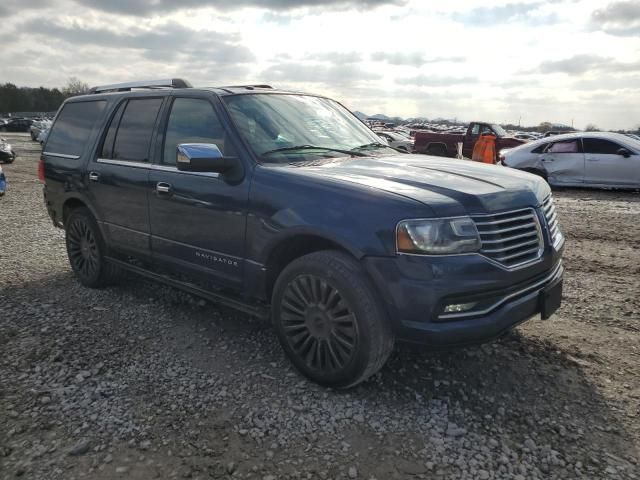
124 163
556 272
153 166
61 155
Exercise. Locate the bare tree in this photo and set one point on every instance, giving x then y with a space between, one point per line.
75 87
591 128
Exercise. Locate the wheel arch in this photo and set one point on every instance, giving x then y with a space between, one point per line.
73 202
437 145
295 245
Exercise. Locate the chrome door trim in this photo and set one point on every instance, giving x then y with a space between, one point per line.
61 155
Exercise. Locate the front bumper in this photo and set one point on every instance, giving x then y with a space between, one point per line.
415 290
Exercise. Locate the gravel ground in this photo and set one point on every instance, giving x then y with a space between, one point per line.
138 381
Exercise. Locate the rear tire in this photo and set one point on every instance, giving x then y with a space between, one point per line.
329 321
86 250
437 150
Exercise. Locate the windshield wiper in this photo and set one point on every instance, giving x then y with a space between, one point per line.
371 145
312 147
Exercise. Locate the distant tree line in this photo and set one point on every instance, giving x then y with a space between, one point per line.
41 99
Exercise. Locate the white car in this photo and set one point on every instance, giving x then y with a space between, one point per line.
397 140
581 159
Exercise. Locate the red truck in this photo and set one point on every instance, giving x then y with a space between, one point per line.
445 144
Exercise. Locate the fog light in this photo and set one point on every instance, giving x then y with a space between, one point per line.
459 307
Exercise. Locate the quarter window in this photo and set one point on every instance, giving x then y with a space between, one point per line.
601 146
71 130
193 120
134 131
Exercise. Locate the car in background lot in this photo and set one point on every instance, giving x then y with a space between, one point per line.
3 182
7 155
445 144
17 125
42 136
396 140
582 159
37 127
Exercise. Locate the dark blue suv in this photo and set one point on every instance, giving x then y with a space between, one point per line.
286 206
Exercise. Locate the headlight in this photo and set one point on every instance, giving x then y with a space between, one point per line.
438 236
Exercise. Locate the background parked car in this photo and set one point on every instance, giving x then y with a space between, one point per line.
38 126
3 182
7 154
397 140
581 159
17 125
42 136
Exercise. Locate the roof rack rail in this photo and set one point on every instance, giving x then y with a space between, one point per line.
248 86
128 86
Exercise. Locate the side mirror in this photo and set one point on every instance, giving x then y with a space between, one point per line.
203 157
624 152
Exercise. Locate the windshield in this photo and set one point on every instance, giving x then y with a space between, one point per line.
501 132
275 125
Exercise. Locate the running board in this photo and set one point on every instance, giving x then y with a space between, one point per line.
254 310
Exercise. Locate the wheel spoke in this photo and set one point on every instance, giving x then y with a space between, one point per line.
334 357
297 289
291 307
341 341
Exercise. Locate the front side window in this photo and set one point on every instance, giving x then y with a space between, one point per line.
133 135
71 130
275 125
568 146
600 146
193 120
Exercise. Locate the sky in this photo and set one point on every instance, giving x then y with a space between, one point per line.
575 62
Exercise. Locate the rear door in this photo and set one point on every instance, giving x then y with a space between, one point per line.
118 176
564 162
198 220
603 165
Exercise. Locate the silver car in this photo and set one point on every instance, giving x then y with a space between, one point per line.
581 159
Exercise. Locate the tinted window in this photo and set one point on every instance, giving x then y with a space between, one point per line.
598 145
568 146
71 130
135 129
107 146
193 120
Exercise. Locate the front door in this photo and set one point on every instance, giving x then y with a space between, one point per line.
197 219
564 162
604 166
118 177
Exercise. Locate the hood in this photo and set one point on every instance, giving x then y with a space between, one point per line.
449 186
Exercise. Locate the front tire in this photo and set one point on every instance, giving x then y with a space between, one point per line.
86 250
329 321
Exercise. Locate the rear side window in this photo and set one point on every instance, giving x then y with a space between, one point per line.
567 146
598 145
70 132
134 130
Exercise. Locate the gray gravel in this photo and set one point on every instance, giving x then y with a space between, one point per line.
139 381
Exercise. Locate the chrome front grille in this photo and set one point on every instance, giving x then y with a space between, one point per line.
510 238
551 216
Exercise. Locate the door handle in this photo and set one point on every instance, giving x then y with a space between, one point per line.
94 177
163 187
593 159
546 159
